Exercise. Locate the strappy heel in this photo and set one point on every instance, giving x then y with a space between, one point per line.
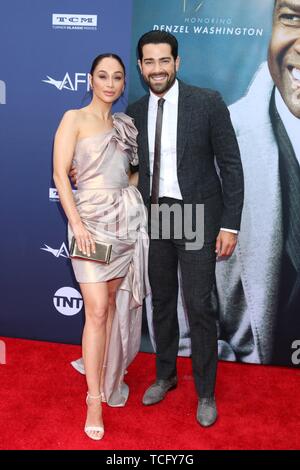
102 396
89 430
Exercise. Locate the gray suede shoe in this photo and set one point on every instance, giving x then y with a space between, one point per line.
157 391
206 411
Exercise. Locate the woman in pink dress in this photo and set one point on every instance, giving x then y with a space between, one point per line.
107 207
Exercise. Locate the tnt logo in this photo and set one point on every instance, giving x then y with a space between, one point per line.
67 301
2 352
2 92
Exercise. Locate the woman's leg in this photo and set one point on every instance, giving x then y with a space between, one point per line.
113 286
96 301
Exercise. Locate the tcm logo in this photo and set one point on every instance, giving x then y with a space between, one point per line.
60 252
67 301
74 21
2 92
68 83
54 196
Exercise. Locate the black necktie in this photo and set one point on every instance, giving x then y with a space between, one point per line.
157 146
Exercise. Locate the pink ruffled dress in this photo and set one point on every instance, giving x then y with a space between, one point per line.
114 212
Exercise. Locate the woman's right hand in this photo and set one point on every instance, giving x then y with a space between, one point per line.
84 239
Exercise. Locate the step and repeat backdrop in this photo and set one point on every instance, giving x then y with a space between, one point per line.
46 52
229 45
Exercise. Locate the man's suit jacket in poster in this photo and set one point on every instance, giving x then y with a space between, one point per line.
248 282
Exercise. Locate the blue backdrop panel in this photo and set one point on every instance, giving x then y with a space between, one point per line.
221 42
43 72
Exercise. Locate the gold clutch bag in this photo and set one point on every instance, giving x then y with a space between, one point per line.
102 255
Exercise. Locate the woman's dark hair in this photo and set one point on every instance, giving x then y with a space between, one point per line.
100 57
158 37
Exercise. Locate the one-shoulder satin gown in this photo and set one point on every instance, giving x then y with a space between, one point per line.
113 212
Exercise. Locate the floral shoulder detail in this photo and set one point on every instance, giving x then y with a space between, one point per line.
126 135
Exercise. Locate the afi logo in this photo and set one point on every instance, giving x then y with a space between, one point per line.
191 6
2 92
67 301
62 251
67 83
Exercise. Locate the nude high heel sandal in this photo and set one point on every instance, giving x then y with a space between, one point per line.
94 432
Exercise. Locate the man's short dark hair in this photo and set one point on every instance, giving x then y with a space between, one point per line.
158 37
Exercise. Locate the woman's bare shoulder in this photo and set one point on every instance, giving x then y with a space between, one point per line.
73 119
72 115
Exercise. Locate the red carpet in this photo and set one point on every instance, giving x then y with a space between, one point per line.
42 405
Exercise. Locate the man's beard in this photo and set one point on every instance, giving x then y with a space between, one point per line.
161 87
